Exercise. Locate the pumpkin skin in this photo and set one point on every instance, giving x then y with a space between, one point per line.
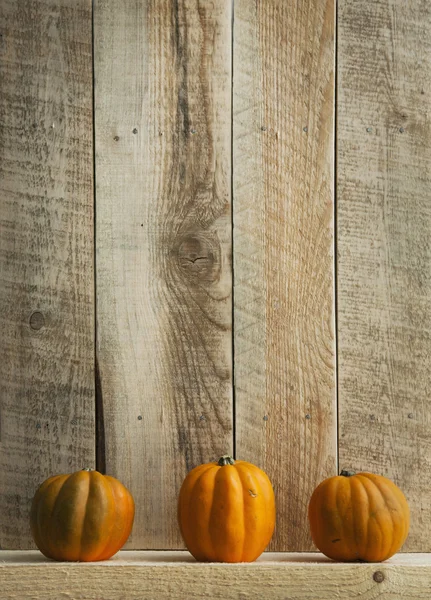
360 516
226 511
84 516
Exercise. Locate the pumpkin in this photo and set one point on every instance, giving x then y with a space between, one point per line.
226 511
360 516
83 516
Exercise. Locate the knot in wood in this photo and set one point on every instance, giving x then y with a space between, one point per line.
37 320
197 256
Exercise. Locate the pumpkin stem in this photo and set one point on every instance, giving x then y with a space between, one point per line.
226 460
345 473
87 469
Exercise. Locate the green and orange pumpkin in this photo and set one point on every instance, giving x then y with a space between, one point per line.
83 516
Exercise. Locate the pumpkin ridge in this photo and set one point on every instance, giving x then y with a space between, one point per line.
367 537
242 476
191 495
400 510
218 476
213 465
359 554
130 503
56 504
337 484
223 472
343 516
81 535
390 514
46 544
405 522
131 510
373 483
97 557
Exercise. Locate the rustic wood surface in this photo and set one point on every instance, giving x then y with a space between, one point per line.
163 263
283 119
46 252
384 247
176 576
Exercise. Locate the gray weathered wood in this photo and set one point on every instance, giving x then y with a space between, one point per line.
384 248
283 250
163 123
46 251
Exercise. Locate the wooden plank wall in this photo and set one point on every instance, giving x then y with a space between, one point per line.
283 172
384 247
46 251
215 197
163 222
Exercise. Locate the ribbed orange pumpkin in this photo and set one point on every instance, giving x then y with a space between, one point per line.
85 516
226 511
358 517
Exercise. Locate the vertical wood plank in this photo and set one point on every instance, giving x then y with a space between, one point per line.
384 258
283 250
46 251
163 137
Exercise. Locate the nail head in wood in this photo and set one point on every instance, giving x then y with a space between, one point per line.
116 138
378 576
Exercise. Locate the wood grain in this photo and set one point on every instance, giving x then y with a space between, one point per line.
163 135
283 106
175 576
384 249
46 251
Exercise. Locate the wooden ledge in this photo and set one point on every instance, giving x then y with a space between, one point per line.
177 576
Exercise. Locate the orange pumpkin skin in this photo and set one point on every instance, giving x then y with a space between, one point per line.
226 511
358 517
84 516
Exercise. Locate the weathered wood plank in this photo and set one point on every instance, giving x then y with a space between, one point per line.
175 576
46 251
283 250
163 123
384 249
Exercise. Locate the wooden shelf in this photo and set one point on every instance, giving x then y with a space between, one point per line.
177 576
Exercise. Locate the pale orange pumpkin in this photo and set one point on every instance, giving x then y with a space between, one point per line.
84 516
226 511
358 517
